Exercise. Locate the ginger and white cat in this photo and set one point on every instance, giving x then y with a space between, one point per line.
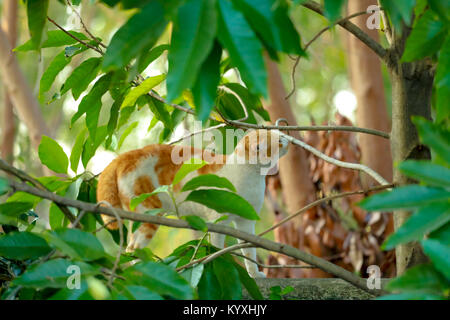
141 171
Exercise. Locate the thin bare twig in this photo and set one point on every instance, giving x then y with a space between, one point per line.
355 166
297 60
74 37
273 266
323 200
84 26
352 28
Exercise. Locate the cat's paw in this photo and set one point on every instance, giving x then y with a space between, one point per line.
257 274
138 240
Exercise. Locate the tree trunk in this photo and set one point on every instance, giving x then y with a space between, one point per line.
26 104
367 84
9 25
294 172
294 168
412 85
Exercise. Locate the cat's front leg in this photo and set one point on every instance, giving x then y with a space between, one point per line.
249 227
141 237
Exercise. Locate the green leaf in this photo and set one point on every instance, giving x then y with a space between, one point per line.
4 186
249 283
188 167
81 77
160 278
196 222
224 202
140 90
228 278
52 155
148 56
92 143
10 211
73 294
209 286
205 87
77 149
399 11
439 255
53 274
55 38
55 67
77 244
141 198
426 37
275 293
270 20
230 106
56 217
442 8
434 137
194 29
142 293
92 104
37 16
126 133
442 234
23 245
243 47
139 33
194 274
208 180
412 296
160 112
333 9
422 278
443 83
405 197
427 172
425 220
251 101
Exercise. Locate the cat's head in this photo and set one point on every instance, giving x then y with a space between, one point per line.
262 147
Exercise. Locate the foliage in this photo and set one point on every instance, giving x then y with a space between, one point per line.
208 39
430 222
44 260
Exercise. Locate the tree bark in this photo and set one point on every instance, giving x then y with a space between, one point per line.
412 85
294 167
26 104
298 188
9 25
367 84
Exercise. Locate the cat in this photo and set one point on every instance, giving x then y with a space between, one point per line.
141 171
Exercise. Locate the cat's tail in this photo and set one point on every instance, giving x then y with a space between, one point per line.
107 190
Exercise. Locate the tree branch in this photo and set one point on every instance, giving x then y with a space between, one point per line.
352 28
176 223
297 60
339 163
25 177
322 200
74 37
